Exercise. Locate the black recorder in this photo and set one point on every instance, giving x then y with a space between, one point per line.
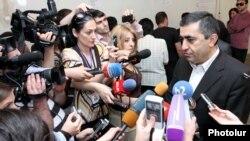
98 128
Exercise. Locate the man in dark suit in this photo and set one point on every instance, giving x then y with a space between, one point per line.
210 70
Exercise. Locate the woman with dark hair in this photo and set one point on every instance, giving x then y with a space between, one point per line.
85 53
231 13
16 125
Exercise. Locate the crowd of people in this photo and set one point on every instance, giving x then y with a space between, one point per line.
75 101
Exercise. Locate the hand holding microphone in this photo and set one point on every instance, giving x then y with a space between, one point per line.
179 111
136 58
176 116
110 70
122 87
130 117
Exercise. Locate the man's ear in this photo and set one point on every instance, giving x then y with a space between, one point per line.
74 32
213 40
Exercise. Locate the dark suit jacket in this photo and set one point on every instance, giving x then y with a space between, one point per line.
224 46
223 83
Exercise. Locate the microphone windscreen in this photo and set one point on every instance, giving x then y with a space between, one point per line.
166 110
144 53
27 58
129 85
130 118
161 88
114 70
184 88
176 119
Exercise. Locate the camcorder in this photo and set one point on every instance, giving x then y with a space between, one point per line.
24 27
18 78
14 71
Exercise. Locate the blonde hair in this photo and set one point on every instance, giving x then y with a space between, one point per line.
120 31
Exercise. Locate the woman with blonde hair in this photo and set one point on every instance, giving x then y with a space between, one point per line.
126 40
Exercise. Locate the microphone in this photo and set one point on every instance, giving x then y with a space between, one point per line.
129 85
136 58
24 58
184 88
110 70
166 107
124 87
177 113
130 117
52 7
176 119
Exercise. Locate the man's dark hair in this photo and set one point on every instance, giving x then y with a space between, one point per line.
112 21
208 25
160 17
61 14
96 13
147 26
184 14
224 34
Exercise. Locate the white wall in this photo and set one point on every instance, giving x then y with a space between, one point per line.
142 8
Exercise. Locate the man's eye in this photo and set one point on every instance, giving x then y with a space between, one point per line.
190 40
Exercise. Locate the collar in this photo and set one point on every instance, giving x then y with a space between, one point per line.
208 63
102 39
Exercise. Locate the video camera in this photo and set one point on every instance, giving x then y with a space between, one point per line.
17 79
26 28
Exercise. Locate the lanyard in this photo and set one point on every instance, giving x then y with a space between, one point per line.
89 65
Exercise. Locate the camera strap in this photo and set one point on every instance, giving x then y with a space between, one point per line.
21 41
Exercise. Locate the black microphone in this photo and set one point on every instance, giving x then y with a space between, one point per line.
25 58
52 7
136 58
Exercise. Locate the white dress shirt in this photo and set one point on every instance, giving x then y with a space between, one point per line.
199 70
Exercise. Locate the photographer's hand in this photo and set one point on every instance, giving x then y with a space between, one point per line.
47 37
49 60
35 84
36 87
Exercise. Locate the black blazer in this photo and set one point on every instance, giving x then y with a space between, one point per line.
223 83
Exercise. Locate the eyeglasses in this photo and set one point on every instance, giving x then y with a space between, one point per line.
240 4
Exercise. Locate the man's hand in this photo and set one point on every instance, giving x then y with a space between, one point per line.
35 84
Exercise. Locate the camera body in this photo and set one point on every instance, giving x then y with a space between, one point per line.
26 28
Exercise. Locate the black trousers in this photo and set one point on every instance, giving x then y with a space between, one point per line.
239 54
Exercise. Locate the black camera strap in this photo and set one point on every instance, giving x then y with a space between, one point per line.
21 40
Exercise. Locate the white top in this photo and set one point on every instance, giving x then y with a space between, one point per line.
152 68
